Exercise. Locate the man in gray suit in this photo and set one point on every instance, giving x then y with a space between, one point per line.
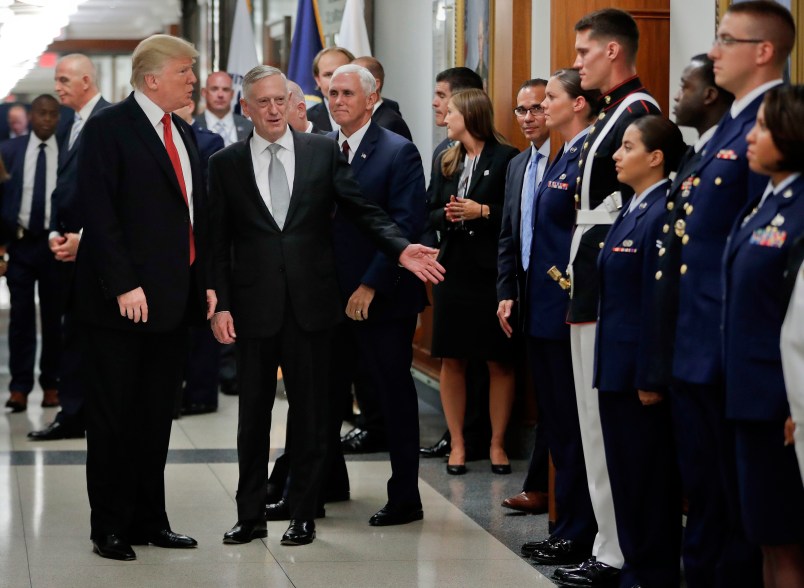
218 117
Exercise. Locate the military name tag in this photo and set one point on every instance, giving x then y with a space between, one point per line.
770 236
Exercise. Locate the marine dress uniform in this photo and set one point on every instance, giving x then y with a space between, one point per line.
597 209
687 311
771 491
638 439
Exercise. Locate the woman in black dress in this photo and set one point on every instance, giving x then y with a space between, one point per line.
468 192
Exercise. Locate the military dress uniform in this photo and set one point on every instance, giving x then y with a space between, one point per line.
771 491
597 207
644 476
687 306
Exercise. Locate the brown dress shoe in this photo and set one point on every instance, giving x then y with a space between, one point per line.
51 398
18 402
532 502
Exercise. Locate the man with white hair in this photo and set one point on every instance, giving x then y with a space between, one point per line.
297 110
140 281
275 275
77 88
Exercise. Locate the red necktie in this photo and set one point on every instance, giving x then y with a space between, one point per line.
174 159
345 150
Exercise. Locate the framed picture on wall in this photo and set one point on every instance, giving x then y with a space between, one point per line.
473 37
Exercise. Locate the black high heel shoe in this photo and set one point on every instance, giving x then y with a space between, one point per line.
501 469
456 470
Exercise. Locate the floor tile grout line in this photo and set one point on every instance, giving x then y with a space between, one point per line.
24 528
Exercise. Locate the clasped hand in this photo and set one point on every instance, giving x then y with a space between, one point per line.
462 209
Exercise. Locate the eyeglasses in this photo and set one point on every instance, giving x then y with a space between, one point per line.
728 41
522 112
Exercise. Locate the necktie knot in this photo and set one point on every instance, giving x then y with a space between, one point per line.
42 146
274 148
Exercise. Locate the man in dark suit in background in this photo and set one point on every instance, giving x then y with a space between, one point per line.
386 112
273 198
324 65
32 161
76 86
218 116
141 273
17 121
390 174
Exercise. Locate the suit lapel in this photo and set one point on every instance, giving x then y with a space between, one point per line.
483 165
304 155
366 148
774 205
245 167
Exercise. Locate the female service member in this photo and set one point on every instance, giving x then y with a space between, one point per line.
636 423
771 491
468 191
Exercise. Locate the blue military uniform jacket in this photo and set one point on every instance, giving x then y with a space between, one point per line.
702 211
754 267
627 264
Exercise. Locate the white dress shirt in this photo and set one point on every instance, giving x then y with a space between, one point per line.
354 139
154 115
261 159
229 131
29 173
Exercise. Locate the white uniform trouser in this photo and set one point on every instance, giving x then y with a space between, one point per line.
793 363
606 547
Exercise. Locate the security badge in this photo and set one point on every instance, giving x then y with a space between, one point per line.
728 154
626 247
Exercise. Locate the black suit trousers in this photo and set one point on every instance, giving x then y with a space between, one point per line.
305 359
130 381
32 266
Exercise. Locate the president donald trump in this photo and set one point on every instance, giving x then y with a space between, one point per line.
273 198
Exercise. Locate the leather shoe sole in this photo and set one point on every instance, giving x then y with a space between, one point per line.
111 547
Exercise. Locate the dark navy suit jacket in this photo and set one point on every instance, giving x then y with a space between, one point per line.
704 208
627 265
754 265
13 154
65 215
389 171
390 119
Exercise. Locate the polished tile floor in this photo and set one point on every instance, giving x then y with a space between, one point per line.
465 540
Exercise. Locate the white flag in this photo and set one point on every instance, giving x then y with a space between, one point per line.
242 49
353 34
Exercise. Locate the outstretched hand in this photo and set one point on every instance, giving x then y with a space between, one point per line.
422 262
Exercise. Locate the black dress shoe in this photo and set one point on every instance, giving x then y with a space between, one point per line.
112 547
559 552
364 442
299 533
58 429
280 511
590 573
244 532
529 547
164 538
354 431
456 470
396 515
198 408
440 449
229 387
501 469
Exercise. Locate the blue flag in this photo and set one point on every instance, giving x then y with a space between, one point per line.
307 42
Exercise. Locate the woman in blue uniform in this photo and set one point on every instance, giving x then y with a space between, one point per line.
468 185
771 491
634 415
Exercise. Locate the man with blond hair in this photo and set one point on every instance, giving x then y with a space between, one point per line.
140 282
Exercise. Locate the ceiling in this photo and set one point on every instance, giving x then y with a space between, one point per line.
93 20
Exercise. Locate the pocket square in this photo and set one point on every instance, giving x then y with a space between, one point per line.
485 173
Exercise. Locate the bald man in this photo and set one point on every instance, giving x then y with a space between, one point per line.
218 117
77 88
297 110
